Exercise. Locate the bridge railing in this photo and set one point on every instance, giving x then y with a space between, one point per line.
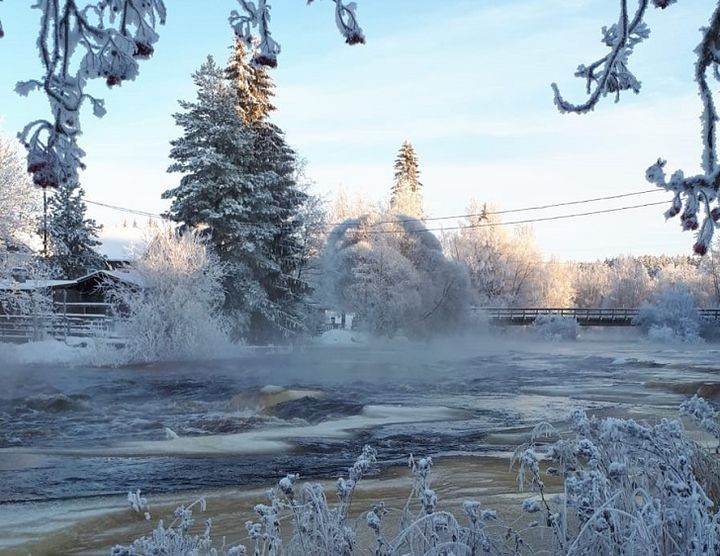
583 315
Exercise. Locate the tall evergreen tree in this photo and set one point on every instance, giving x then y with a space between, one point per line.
253 86
406 193
239 190
72 236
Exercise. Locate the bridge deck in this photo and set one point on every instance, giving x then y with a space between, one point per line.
585 317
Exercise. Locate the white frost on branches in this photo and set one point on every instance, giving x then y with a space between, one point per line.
80 40
170 308
693 195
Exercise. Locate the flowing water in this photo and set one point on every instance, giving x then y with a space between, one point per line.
70 433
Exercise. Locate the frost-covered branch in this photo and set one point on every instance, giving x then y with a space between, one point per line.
78 42
610 74
265 48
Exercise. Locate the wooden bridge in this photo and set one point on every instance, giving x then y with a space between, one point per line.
585 317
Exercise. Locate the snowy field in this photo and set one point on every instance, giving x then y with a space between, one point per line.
75 439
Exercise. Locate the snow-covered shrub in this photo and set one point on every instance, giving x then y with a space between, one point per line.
25 293
556 327
170 308
178 540
139 503
671 317
392 273
629 488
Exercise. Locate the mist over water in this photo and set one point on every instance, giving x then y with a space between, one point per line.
71 432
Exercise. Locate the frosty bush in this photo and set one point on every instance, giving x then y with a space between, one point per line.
173 308
672 317
25 293
628 489
392 273
556 327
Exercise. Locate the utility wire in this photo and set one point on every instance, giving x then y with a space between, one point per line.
515 222
485 213
452 217
128 210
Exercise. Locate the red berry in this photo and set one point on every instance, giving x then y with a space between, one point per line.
355 38
700 248
113 80
715 214
263 60
143 50
689 222
36 166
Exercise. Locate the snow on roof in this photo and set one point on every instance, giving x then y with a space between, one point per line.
123 243
33 284
127 276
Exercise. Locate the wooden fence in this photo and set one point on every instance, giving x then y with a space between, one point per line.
67 320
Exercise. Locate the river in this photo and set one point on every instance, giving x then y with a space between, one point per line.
78 438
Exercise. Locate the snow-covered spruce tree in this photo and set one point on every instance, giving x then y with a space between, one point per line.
239 191
406 194
72 236
170 305
284 200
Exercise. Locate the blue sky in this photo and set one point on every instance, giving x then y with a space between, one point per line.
467 82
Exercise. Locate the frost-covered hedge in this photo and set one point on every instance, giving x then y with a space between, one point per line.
625 488
671 317
556 327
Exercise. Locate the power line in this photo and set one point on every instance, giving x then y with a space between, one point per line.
485 213
516 222
125 209
458 216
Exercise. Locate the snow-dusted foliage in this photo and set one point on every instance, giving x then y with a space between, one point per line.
505 266
703 414
177 538
406 194
591 282
392 274
671 316
26 292
19 200
630 284
72 237
556 327
239 190
629 488
265 49
81 40
169 307
695 197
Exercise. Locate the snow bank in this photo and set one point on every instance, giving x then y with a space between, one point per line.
341 337
45 351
